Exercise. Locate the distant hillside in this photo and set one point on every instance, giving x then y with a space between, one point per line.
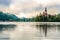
8 17
12 17
38 18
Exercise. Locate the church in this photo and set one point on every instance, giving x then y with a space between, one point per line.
45 12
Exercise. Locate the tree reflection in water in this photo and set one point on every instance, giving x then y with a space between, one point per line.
7 27
44 28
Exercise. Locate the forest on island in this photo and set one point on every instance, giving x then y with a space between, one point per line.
40 18
48 18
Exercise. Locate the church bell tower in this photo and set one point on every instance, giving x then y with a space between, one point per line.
45 12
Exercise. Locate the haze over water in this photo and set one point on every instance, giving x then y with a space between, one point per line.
29 31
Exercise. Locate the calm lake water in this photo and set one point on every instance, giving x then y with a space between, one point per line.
29 31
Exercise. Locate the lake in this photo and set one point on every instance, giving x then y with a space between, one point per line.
29 31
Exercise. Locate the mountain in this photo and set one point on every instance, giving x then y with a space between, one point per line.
8 17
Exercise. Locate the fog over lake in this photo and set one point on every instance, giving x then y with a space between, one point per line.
29 31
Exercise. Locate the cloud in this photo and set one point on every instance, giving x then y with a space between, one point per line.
4 5
5 2
28 6
33 5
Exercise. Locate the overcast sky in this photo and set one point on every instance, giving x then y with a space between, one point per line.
29 8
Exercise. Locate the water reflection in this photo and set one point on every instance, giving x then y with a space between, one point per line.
45 28
4 27
5 31
29 31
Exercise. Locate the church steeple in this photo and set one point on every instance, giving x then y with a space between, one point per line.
45 9
45 12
